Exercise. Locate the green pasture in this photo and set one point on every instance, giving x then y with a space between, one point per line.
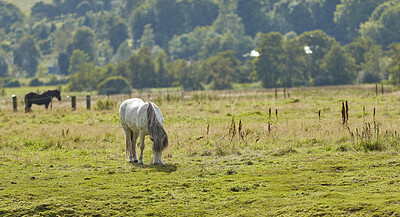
228 156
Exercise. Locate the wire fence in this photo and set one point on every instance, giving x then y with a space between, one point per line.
88 100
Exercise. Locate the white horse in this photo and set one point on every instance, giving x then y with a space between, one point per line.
139 119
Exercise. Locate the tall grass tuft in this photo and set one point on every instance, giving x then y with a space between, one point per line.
204 96
105 104
368 138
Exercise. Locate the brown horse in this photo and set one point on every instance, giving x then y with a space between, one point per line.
40 99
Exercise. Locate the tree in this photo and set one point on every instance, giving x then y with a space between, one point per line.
357 50
116 31
147 39
186 74
170 17
194 12
252 16
85 77
323 12
3 67
293 15
382 25
390 22
141 16
180 70
146 68
161 69
42 10
376 15
114 85
394 66
372 67
228 20
210 47
63 63
88 76
41 31
296 64
78 57
319 44
123 52
84 40
139 69
129 6
188 46
82 8
61 38
350 14
27 55
269 66
223 69
337 67
170 20
9 15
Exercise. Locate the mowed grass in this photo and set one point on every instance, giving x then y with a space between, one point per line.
294 162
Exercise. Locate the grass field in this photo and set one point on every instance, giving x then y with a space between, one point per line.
298 160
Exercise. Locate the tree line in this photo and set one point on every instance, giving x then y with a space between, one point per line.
201 44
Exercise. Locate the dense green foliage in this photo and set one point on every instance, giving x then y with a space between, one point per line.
114 85
149 40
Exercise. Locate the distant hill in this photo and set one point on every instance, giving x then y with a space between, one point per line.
25 5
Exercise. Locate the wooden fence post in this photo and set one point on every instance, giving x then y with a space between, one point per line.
73 102
88 102
284 93
15 103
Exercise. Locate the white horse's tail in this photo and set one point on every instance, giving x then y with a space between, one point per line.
156 130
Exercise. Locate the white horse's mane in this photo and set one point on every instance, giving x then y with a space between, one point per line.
156 130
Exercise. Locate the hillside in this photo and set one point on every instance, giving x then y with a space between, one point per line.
26 5
205 44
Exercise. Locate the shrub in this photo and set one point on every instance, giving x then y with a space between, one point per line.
35 82
114 85
105 104
11 83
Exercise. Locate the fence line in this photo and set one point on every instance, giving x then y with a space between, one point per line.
89 101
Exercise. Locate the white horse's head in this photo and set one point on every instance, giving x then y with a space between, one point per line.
156 130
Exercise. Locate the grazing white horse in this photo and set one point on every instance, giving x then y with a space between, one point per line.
139 119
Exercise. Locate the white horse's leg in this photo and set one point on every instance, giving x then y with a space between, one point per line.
142 135
134 139
128 138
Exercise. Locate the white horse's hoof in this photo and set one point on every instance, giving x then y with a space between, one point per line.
133 161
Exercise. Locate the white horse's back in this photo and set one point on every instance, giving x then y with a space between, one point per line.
133 114
128 113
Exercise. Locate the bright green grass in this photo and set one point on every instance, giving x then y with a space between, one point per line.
69 163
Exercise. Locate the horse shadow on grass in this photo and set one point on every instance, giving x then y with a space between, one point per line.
165 168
